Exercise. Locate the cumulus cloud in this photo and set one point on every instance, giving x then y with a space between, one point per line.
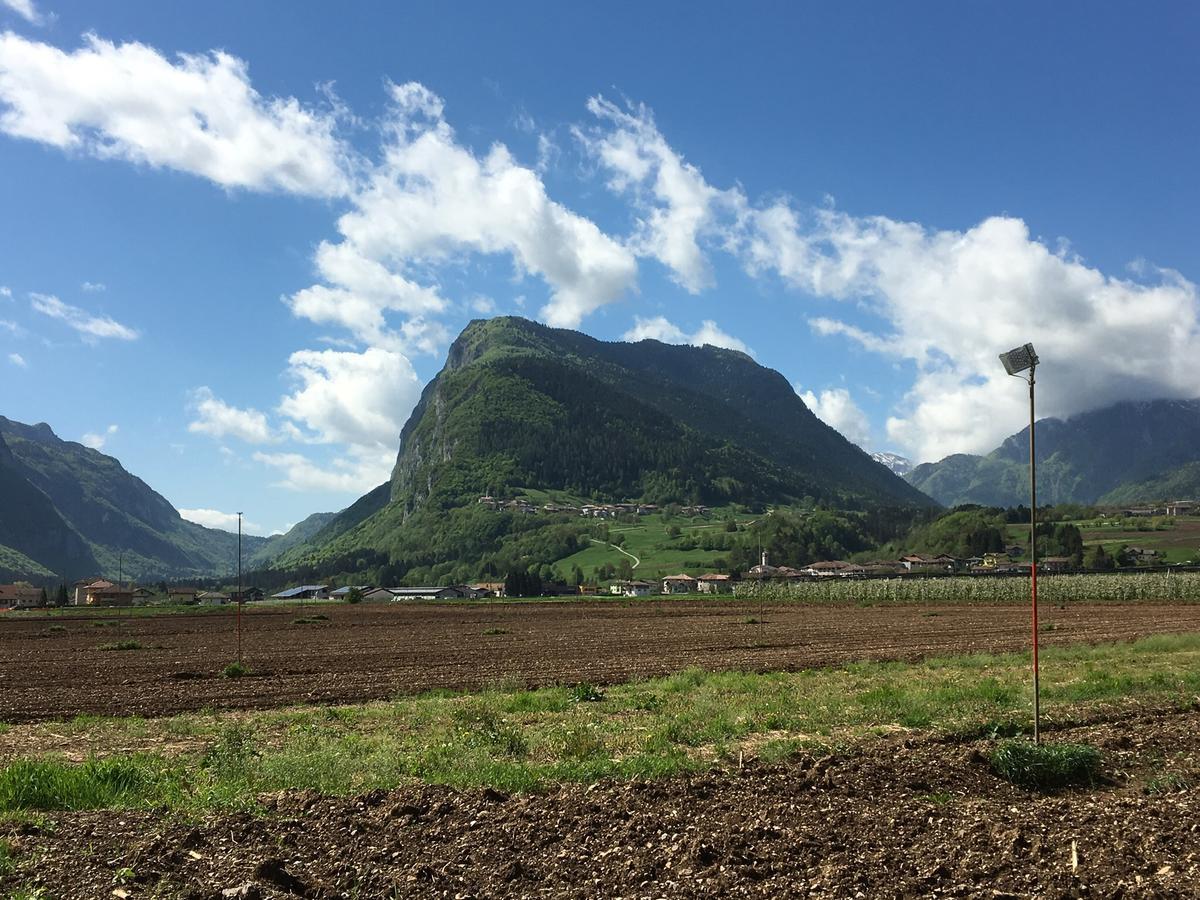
97 440
214 518
5 292
92 328
431 201
357 472
93 287
678 206
952 300
198 114
216 418
18 360
25 9
837 409
359 399
659 328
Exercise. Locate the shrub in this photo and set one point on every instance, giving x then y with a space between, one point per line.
1045 766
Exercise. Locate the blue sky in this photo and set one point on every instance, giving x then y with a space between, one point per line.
237 239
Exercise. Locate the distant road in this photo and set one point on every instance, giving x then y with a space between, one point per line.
636 562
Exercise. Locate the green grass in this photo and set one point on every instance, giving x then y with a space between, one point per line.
115 781
8 860
512 738
120 645
1045 767
235 670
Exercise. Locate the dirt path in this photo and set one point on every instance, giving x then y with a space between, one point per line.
898 817
636 562
368 652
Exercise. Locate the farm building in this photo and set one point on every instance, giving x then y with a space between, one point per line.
304 592
212 598
79 590
630 588
378 595
679 584
490 588
425 593
182 595
105 593
343 592
713 583
249 595
19 596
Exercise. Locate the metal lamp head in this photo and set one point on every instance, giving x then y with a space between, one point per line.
1019 359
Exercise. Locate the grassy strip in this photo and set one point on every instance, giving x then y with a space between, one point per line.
517 739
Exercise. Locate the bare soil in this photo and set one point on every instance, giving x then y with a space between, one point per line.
893 817
368 652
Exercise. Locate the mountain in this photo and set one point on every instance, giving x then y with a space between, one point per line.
522 407
1088 458
898 464
76 512
1181 483
278 544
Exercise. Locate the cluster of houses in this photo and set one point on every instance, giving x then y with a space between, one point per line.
587 510
1175 508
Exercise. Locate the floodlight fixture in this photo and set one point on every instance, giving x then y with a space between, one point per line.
1019 359
1016 361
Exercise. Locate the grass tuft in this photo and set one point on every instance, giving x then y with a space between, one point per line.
120 645
235 670
115 781
493 631
1045 767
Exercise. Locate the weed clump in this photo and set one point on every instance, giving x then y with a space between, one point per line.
235 670
1045 767
120 645
584 692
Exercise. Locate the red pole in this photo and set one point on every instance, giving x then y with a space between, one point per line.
1037 738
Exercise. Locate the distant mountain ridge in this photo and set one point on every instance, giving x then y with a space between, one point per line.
1118 454
76 511
521 406
899 464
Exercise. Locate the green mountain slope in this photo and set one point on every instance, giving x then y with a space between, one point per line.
520 406
94 511
1083 459
1182 483
278 544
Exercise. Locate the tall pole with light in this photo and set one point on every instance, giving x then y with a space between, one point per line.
239 593
1016 361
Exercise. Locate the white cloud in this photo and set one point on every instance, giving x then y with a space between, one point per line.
359 399
679 207
214 518
952 301
25 9
93 287
357 472
198 114
18 360
5 292
660 329
218 419
91 327
430 202
97 440
837 409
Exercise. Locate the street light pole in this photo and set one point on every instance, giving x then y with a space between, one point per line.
1015 362
239 606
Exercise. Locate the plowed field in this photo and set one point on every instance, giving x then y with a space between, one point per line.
53 667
